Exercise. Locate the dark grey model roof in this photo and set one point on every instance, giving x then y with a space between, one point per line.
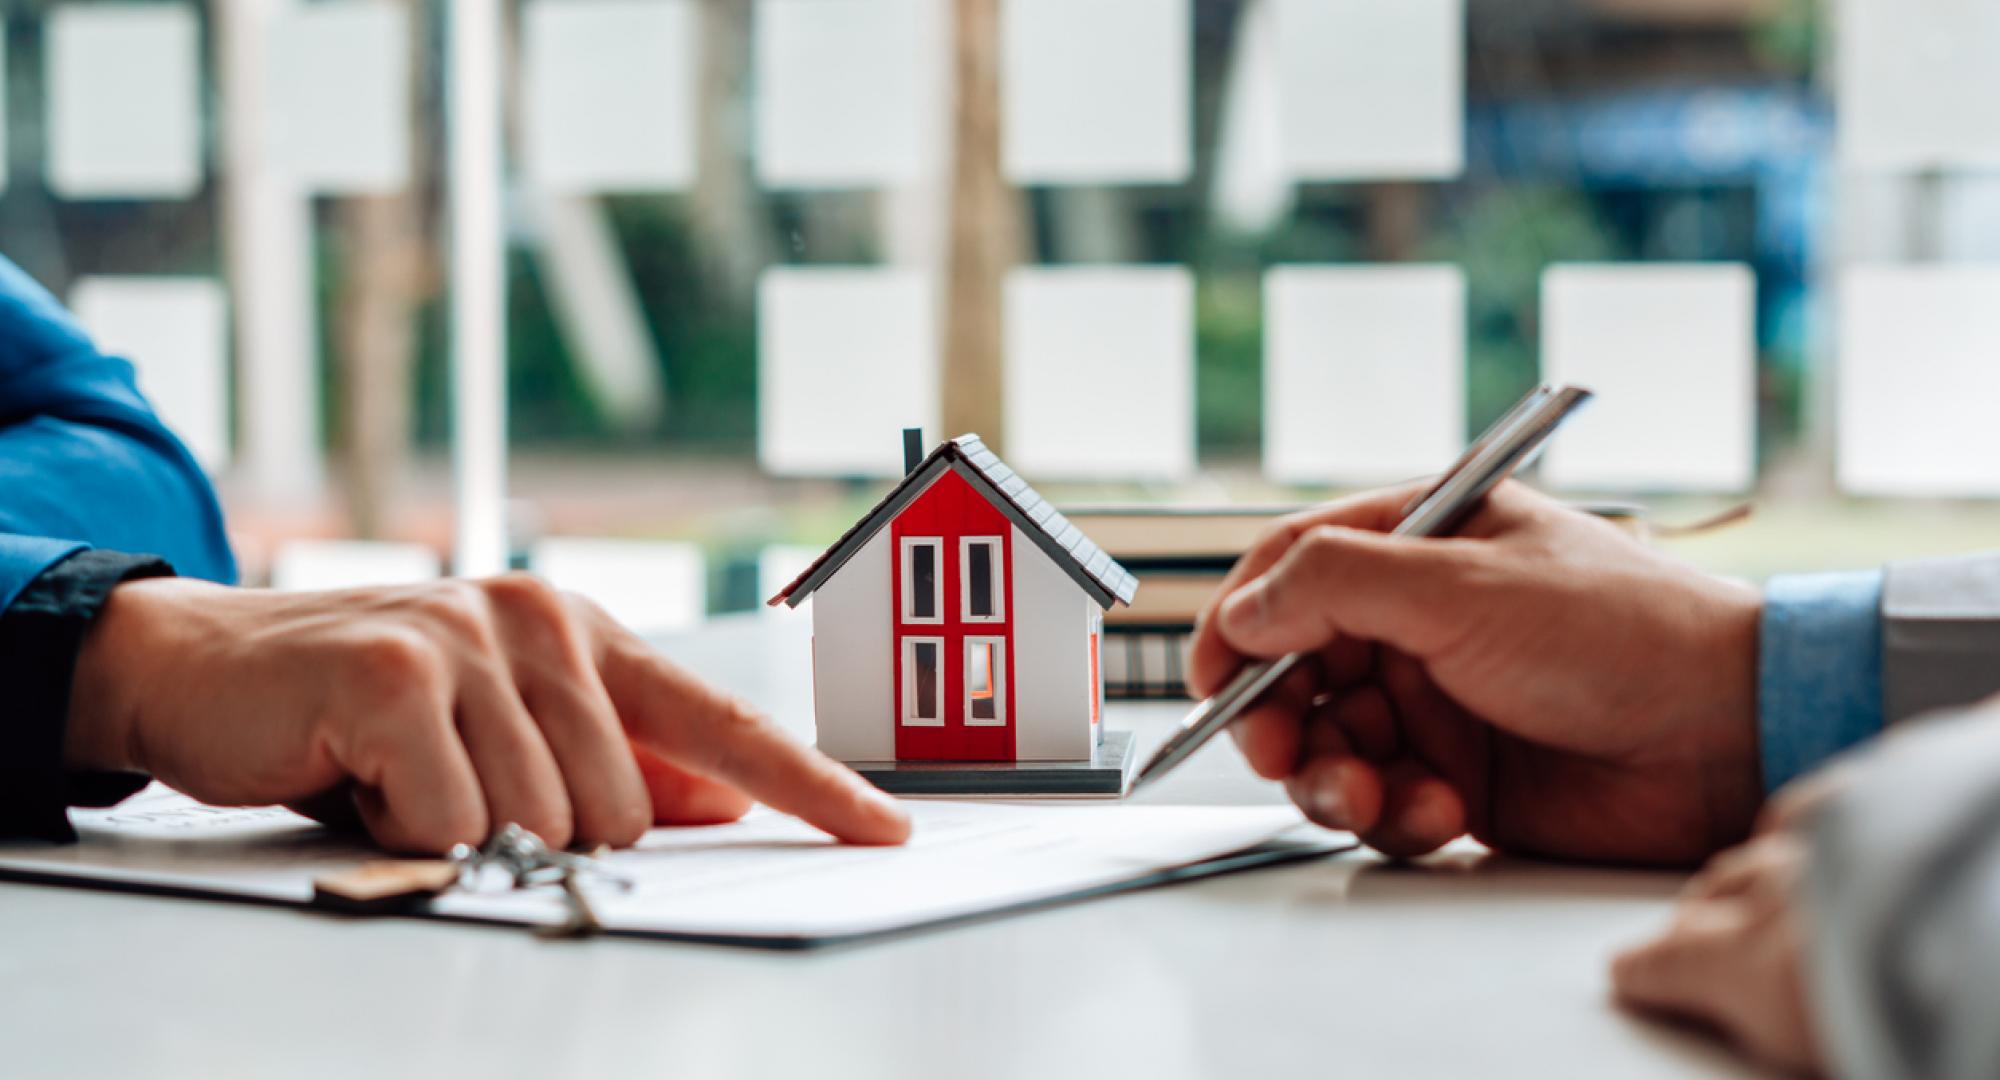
1088 565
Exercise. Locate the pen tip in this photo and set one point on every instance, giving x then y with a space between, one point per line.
1147 772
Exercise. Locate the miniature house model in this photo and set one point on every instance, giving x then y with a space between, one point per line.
960 621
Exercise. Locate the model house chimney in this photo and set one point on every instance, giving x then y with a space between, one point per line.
913 449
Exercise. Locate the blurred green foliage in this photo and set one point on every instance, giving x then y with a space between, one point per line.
547 400
1504 237
1786 35
1229 268
1229 386
707 337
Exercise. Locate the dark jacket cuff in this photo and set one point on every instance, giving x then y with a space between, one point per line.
41 633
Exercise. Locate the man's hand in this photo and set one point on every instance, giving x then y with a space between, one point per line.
1543 681
448 709
1732 958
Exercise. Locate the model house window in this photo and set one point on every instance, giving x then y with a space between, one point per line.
982 590
921 683
985 680
923 581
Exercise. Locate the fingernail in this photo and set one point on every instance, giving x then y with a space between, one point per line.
1329 806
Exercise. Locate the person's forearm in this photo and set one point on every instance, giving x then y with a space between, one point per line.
99 474
42 632
1819 670
96 465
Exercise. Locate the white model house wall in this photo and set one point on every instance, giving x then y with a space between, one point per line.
1052 620
853 648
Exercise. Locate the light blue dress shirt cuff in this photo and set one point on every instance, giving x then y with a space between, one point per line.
1819 681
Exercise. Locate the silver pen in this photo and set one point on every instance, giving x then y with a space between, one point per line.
1493 457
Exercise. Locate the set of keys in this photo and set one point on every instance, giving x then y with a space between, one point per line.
512 857
526 862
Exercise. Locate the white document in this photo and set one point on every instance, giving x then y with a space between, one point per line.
767 879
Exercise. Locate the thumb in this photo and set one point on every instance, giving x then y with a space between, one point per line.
1687 970
1336 582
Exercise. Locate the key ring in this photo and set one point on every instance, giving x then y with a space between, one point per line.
528 861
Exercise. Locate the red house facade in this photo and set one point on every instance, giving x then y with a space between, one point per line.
960 620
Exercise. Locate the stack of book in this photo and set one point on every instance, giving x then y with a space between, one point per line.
1180 556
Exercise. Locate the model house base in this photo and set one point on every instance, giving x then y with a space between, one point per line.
1105 775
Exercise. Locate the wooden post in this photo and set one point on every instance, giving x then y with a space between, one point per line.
375 349
386 257
1395 222
985 233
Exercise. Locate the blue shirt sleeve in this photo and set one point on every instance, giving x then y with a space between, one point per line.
1819 670
84 461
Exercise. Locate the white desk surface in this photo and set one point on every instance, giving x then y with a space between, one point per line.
1469 965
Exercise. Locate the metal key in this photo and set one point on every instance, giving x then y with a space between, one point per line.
582 921
528 862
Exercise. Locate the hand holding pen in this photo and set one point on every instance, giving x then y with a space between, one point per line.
1541 681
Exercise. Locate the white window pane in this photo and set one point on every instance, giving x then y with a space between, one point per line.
849 92
985 700
1919 379
312 565
1918 80
1671 352
1095 91
610 91
1100 372
175 332
649 586
1364 372
982 581
846 359
980 674
926 707
339 117
1372 88
923 581
921 685
123 89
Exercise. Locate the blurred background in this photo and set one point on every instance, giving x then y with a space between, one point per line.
1189 252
